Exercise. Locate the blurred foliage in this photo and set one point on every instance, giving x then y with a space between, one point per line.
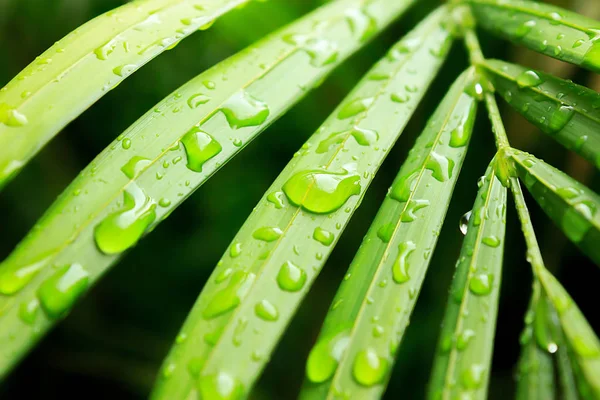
113 342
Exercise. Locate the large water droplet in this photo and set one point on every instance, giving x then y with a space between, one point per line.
409 213
576 220
560 117
28 311
267 234
221 386
386 231
404 186
266 310
197 100
11 117
400 269
481 284
355 107
58 293
199 148
361 24
321 191
325 356
243 110
528 79
592 56
291 278
322 236
134 166
121 230
364 137
368 368
441 167
230 296
14 279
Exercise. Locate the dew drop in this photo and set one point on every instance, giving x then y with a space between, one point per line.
242 110
276 198
266 310
291 278
400 269
368 368
441 167
199 148
364 137
321 191
197 100
58 293
11 117
322 236
560 117
221 386
125 70
134 166
325 356
528 79
491 241
481 284
464 222
230 296
385 232
267 234
28 311
354 107
361 24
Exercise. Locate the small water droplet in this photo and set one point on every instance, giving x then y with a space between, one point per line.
481 284
276 198
221 386
125 70
325 356
235 249
386 231
400 269
322 236
266 310
242 110
368 368
464 222
11 117
197 100
528 79
267 234
354 107
291 278
441 167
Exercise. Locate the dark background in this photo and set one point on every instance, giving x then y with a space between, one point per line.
113 342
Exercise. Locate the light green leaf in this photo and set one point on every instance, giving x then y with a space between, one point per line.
571 205
83 66
582 341
253 293
363 329
545 28
168 153
567 112
463 363
535 378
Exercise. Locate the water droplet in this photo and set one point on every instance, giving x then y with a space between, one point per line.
235 249
400 269
408 215
221 386
126 144
325 356
528 79
321 191
291 278
11 117
134 166
267 234
125 70
199 148
462 341
386 231
524 28
399 98
473 376
464 222
242 110
230 296
404 186
361 24
164 202
276 198
354 107
106 50
481 284
28 311
322 236
13 279
576 220
266 310
364 137
122 229
560 117
368 368
441 167
58 293
491 241
197 100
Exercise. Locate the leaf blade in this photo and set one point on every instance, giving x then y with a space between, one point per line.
163 157
571 205
286 247
364 310
544 28
463 362
567 112
87 63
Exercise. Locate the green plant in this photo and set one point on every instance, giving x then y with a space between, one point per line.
255 289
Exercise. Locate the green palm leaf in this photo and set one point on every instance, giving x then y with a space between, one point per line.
161 159
256 287
535 378
86 64
360 336
567 112
544 28
571 205
463 363
581 339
